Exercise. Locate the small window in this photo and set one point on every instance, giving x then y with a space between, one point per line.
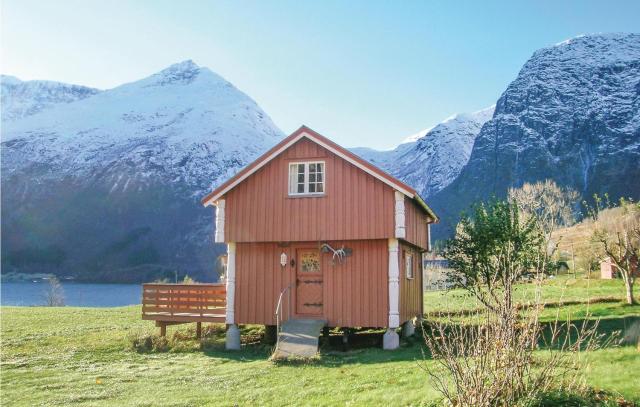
408 265
306 178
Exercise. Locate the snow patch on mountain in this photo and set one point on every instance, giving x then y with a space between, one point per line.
25 98
432 158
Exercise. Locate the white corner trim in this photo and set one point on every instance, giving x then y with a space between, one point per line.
220 217
231 282
399 216
394 284
271 156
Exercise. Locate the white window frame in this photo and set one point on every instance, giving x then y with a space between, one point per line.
293 182
408 266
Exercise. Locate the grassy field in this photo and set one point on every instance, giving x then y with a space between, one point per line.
83 356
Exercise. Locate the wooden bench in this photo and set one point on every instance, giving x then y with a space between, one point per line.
170 304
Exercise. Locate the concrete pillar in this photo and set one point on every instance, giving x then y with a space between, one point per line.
390 340
233 337
408 329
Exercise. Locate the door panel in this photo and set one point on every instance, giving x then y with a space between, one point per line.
309 283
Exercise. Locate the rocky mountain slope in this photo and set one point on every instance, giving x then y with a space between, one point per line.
572 115
107 187
431 159
25 98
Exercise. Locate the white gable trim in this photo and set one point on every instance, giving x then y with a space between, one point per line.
273 155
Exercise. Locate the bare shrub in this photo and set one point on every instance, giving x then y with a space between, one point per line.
550 204
490 361
53 293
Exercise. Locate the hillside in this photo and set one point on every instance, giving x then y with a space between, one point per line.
572 115
575 243
107 187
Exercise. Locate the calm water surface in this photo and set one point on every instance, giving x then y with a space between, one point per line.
75 294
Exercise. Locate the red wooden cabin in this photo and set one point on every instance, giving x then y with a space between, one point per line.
325 233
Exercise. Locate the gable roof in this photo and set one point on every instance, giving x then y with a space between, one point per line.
305 132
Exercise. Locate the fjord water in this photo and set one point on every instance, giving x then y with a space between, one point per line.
75 294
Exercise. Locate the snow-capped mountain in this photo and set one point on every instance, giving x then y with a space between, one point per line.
113 181
572 115
25 98
431 159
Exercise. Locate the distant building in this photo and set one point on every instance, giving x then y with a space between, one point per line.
608 270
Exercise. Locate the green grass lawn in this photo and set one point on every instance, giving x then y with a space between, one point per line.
83 356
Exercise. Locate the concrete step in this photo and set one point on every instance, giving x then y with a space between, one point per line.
298 338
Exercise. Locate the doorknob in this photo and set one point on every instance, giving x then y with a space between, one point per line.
293 262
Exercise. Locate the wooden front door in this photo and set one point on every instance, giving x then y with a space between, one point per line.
308 282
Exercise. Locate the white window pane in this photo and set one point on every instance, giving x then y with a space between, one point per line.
292 178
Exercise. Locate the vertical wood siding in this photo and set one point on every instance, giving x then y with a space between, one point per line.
410 289
356 205
416 224
355 293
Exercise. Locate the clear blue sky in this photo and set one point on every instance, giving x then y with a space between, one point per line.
365 73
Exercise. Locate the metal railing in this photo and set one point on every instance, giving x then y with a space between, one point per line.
278 313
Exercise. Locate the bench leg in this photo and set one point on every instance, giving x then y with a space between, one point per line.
198 330
163 329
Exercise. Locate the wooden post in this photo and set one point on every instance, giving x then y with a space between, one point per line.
573 262
198 330
163 329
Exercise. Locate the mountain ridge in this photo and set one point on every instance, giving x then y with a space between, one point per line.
121 174
432 158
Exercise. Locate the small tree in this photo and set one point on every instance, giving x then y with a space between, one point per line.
493 250
491 361
188 280
54 293
619 237
552 206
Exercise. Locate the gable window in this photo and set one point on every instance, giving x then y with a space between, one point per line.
306 178
408 265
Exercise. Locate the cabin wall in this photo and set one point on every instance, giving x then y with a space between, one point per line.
416 224
411 300
355 293
356 205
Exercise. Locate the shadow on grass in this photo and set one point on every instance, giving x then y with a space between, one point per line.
363 347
